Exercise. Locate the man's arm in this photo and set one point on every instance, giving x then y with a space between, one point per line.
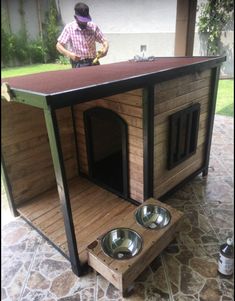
105 48
61 48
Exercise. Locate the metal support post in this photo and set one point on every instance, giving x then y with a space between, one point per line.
62 186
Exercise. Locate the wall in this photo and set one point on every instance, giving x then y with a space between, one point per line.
129 24
30 16
129 107
170 97
26 150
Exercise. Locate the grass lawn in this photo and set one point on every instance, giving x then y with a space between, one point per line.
30 69
225 97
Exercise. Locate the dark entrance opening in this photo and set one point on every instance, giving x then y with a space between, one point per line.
106 136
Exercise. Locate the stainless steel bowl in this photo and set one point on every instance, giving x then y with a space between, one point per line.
152 216
121 243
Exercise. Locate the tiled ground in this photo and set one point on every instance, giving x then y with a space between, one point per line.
187 270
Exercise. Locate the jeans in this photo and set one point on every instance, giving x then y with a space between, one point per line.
82 63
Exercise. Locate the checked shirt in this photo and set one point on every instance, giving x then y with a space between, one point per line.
81 41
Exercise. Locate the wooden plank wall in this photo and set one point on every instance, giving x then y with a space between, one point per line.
128 106
26 149
172 96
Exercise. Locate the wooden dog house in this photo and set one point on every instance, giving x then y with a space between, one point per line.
82 147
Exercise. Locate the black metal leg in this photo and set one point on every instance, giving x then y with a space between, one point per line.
7 187
57 156
205 172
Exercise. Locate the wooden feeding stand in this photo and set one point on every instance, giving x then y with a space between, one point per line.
122 273
81 148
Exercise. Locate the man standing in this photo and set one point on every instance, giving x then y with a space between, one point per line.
78 39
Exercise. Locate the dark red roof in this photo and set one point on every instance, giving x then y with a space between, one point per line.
76 79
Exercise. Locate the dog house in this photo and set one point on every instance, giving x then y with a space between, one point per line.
83 149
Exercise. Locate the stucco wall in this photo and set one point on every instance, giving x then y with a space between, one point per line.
125 46
130 24
125 16
30 15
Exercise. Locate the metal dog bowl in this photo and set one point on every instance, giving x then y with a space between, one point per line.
152 216
121 243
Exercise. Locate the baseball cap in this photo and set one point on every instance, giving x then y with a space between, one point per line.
82 12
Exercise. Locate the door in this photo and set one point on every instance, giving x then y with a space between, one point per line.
106 138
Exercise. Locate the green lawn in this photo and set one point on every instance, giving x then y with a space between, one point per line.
30 69
225 97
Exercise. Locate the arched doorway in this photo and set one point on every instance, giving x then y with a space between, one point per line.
106 139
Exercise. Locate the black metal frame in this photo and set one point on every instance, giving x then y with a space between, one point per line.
60 174
148 127
72 97
62 187
204 168
46 238
58 100
89 145
181 184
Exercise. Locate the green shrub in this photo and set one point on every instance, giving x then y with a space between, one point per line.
18 47
214 17
63 60
7 47
14 47
51 32
21 47
36 51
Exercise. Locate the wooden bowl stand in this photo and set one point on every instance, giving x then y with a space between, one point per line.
122 273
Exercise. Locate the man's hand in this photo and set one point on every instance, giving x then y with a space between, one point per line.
74 57
102 53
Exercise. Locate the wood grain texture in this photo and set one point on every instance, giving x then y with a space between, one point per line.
26 149
129 107
173 96
94 210
121 273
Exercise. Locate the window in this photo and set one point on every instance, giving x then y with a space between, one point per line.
183 134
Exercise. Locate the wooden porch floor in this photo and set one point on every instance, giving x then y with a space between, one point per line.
94 211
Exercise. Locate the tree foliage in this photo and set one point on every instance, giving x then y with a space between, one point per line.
51 32
215 15
19 48
7 46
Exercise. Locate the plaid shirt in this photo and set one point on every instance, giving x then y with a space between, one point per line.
82 42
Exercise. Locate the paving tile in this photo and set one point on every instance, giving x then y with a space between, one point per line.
32 270
192 273
14 275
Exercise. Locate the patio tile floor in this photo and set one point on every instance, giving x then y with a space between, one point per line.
186 270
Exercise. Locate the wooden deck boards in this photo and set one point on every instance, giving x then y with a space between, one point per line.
94 211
